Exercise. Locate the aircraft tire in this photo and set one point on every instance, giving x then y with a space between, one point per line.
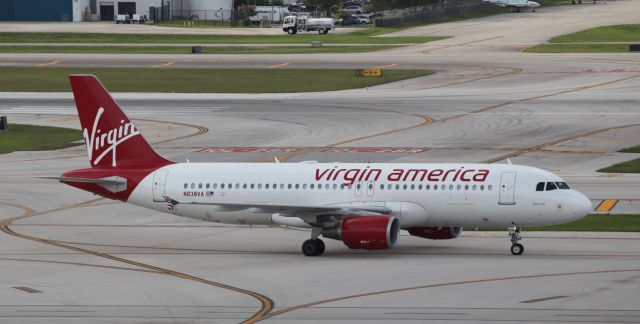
321 245
517 249
312 247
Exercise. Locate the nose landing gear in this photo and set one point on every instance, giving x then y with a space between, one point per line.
514 234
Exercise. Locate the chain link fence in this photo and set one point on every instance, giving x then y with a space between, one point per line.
167 15
396 17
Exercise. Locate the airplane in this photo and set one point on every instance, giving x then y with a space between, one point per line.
364 205
515 5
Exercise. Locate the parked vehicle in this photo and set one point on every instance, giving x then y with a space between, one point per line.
122 19
364 19
269 13
350 21
135 18
297 8
140 19
354 10
294 24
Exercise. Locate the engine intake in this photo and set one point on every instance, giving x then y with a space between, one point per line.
436 233
366 232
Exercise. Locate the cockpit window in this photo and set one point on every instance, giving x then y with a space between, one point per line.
562 185
551 186
540 186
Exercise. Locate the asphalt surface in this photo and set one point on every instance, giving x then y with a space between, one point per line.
71 258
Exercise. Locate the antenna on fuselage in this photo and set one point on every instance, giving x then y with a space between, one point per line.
275 159
509 161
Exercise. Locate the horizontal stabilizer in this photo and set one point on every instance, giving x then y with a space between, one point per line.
113 184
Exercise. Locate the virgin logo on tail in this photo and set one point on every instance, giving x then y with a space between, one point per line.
103 142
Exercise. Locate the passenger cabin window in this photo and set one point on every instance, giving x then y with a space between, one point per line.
540 186
551 186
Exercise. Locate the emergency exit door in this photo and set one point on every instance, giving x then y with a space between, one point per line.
507 188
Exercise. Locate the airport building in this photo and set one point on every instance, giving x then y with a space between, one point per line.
101 10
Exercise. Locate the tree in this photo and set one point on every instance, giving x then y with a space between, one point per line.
244 12
323 5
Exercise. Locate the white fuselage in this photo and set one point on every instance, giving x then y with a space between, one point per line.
469 195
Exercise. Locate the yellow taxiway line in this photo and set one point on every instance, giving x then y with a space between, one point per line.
275 66
168 64
48 63
386 66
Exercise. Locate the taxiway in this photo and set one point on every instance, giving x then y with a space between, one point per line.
67 256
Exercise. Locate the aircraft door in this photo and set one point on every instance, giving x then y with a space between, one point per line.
159 185
371 187
507 188
357 189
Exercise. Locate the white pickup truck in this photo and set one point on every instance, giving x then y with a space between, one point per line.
294 24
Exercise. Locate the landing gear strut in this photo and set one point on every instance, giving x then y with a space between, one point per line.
313 246
514 234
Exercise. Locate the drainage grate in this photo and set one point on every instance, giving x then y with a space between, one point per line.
29 290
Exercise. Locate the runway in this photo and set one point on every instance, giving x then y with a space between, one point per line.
68 257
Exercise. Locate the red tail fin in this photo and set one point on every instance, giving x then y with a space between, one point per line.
111 139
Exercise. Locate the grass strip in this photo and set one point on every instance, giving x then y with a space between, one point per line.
573 43
27 79
579 48
597 223
196 24
590 223
633 149
187 50
363 36
615 33
37 138
632 166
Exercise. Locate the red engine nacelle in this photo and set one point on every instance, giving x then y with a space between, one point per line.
366 232
436 233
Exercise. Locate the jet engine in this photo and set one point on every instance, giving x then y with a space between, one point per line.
366 232
436 233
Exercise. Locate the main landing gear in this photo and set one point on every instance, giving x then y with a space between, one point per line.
514 234
313 246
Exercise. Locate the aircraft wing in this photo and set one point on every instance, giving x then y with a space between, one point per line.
291 210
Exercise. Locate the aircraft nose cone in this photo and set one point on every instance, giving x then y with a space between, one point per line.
583 205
